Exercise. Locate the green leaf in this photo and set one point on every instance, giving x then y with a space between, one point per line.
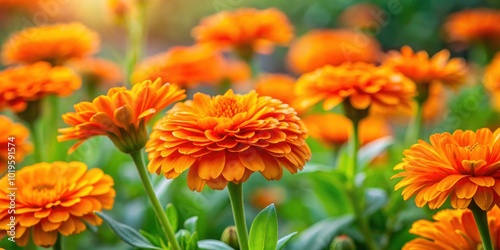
213 245
155 240
376 198
190 224
192 244
264 230
127 233
330 190
282 242
172 216
373 149
319 235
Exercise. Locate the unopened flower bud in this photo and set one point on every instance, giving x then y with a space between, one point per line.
230 237
342 242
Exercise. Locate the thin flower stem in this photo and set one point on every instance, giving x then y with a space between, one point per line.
37 153
136 33
415 126
481 218
160 213
58 245
352 190
236 198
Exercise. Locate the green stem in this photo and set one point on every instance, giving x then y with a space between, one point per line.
415 126
236 198
481 218
351 188
136 34
37 153
353 155
58 245
53 148
160 213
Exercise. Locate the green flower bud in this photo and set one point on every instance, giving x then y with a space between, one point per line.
342 242
230 237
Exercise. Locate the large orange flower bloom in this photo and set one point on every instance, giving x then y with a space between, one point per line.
424 70
226 138
245 30
464 166
22 147
121 114
318 48
320 128
98 71
24 84
360 83
183 65
453 230
492 80
54 198
53 43
473 25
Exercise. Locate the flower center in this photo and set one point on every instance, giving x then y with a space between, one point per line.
226 107
43 187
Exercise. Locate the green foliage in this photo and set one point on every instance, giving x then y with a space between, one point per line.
264 230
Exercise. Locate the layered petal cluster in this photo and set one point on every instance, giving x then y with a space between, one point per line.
453 230
184 65
318 48
20 143
54 43
492 80
121 114
23 84
423 69
98 71
245 29
474 25
464 166
226 138
54 198
320 128
363 85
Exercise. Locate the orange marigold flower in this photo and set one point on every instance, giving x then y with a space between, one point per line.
53 43
424 70
363 16
364 85
121 114
184 65
473 25
453 229
226 138
463 166
320 128
55 198
97 71
434 108
245 30
318 48
279 86
19 135
20 85
492 80
236 71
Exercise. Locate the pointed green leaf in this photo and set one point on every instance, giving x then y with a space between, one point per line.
213 245
127 233
190 224
172 216
264 230
155 240
373 149
282 242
